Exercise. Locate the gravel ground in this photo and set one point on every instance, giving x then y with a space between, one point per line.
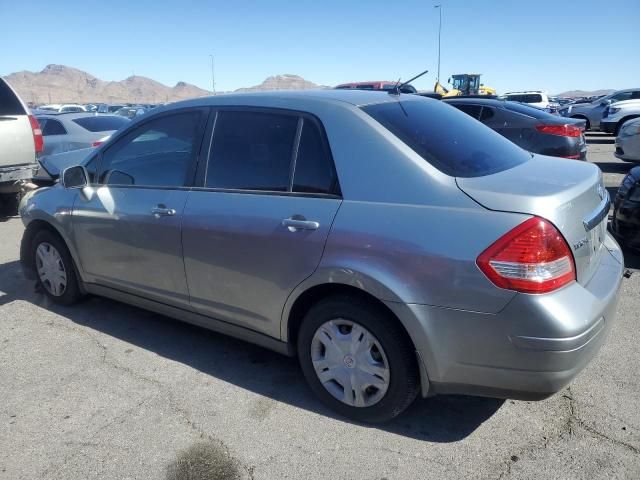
104 390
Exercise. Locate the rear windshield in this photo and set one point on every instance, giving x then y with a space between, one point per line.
526 110
101 123
9 103
447 138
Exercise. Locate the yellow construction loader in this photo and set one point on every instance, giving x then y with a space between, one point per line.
464 84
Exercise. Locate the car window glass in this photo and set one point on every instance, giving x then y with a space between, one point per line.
471 110
635 95
618 97
101 123
9 103
252 151
448 139
158 153
314 171
487 114
51 127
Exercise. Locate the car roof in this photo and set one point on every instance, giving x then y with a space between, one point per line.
274 98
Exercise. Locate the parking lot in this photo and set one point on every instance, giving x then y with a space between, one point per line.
105 390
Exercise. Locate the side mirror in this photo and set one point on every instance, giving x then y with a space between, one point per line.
606 103
75 177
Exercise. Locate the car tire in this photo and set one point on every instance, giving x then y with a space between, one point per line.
54 268
380 343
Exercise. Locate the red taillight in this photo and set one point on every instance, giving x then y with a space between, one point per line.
97 143
572 157
532 258
561 130
37 134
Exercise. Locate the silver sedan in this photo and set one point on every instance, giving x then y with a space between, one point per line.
394 244
71 131
628 141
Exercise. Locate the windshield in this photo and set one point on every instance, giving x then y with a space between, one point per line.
447 138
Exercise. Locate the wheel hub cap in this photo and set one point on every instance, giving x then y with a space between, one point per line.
51 269
350 363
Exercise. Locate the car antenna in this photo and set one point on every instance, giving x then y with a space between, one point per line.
396 89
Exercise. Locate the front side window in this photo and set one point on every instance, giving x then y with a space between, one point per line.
159 153
252 151
619 97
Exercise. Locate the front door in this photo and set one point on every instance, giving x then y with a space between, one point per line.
127 226
258 225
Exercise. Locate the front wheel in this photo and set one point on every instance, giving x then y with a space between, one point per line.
54 268
357 359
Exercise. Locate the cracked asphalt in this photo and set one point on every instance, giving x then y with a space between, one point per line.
104 390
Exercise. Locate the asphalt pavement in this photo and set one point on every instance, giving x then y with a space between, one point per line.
107 391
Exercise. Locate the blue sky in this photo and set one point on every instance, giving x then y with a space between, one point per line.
549 45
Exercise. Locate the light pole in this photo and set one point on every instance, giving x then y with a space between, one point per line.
213 78
439 7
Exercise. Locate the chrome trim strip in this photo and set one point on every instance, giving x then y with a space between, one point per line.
601 212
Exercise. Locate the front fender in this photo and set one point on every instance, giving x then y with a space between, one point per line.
48 208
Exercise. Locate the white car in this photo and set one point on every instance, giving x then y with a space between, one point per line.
535 98
69 108
616 115
628 141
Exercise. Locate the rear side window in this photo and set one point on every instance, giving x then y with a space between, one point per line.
51 127
525 98
471 110
159 153
448 139
9 102
252 151
314 171
101 123
487 114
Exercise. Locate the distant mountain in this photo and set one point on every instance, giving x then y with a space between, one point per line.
281 82
62 84
584 93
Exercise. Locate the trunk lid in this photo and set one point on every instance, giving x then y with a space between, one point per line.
568 193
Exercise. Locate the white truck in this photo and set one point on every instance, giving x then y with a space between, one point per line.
20 143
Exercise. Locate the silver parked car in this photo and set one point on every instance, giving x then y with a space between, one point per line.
628 141
72 131
592 112
394 244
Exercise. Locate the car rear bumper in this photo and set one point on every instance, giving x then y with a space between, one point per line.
531 349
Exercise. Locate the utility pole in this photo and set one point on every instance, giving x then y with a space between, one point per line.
439 7
213 78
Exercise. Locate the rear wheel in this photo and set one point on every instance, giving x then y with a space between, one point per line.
357 359
54 268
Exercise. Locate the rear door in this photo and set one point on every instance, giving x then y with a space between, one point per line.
127 228
257 225
16 137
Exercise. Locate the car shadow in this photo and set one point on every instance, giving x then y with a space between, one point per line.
437 419
600 141
614 167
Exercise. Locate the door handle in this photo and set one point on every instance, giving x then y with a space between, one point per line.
162 211
295 224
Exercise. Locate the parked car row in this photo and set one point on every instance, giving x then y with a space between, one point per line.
593 112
